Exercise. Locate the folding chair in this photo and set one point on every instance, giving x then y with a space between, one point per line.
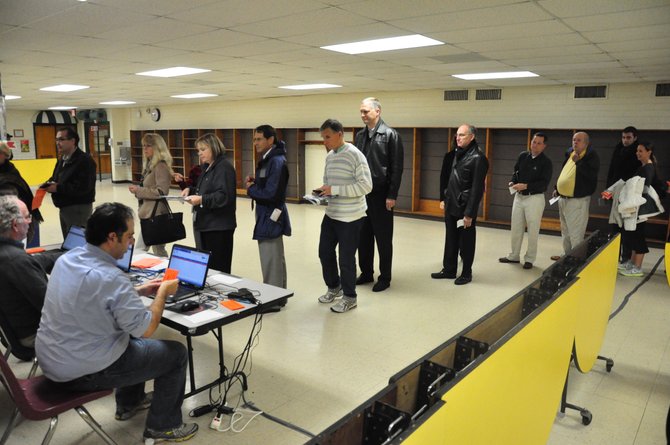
37 398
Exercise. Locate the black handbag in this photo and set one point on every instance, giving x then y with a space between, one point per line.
162 229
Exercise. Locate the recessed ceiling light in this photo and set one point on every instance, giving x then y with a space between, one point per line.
388 44
507 75
63 107
64 88
194 95
310 86
118 102
10 97
173 72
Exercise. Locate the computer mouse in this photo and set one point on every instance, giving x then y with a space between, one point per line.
187 306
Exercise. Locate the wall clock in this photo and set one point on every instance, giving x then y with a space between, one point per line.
155 114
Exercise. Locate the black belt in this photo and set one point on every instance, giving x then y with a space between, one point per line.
526 193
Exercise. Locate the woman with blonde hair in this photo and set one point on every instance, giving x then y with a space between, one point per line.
213 199
156 179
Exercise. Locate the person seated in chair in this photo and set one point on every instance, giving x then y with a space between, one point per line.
23 277
94 331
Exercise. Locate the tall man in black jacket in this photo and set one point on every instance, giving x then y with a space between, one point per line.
465 176
72 185
383 149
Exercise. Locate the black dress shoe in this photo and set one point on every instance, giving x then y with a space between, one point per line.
442 274
527 265
462 280
380 286
362 279
507 260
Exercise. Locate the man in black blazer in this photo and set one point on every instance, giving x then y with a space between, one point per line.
72 184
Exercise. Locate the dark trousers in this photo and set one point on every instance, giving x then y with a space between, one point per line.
377 226
624 250
220 243
343 236
145 359
459 241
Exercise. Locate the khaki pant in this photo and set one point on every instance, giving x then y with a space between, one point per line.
574 214
527 212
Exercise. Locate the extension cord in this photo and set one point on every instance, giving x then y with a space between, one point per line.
215 423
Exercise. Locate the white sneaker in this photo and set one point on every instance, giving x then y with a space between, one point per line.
625 265
632 272
344 305
331 295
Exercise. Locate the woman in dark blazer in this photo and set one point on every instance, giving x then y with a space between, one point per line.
213 201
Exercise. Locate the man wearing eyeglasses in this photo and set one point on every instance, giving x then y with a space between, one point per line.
72 185
23 277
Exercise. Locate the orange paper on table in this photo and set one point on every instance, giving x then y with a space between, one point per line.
170 274
232 305
145 263
37 200
32 250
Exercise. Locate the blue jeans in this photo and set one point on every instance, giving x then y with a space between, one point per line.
346 234
145 359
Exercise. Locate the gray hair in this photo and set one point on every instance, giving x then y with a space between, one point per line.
374 102
9 212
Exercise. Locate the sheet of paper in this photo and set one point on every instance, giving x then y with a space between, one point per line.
204 316
512 190
149 262
222 279
553 201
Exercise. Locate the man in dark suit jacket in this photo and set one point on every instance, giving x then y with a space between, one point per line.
72 185
461 197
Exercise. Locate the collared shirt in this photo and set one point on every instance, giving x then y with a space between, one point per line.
90 311
567 179
535 171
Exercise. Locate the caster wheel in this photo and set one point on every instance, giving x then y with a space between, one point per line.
587 417
609 365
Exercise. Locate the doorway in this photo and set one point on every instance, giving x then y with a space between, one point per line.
97 141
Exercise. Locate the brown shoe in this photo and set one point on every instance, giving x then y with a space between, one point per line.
527 265
555 257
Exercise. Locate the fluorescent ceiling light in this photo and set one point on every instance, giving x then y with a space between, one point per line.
118 102
507 75
310 86
63 107
65 88
388 44
194 95
173 72
10 97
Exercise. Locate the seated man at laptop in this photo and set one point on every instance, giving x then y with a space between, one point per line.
94 332
23 277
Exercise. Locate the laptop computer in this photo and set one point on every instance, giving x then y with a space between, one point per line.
192 265
75 237
124 262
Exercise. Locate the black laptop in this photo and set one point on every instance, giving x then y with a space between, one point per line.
127 259
192 265
75 237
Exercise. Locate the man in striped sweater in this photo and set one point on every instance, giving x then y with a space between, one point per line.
346 181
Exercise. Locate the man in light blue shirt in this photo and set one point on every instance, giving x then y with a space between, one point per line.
94 329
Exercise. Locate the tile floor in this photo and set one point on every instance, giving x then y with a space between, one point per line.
311 366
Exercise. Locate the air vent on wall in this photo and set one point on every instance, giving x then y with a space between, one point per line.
662 89
591 91
490 94
456 95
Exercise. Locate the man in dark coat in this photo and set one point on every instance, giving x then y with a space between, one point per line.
464 191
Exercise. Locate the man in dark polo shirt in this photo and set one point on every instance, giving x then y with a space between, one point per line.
532 173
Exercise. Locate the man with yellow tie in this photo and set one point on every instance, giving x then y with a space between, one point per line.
575 185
